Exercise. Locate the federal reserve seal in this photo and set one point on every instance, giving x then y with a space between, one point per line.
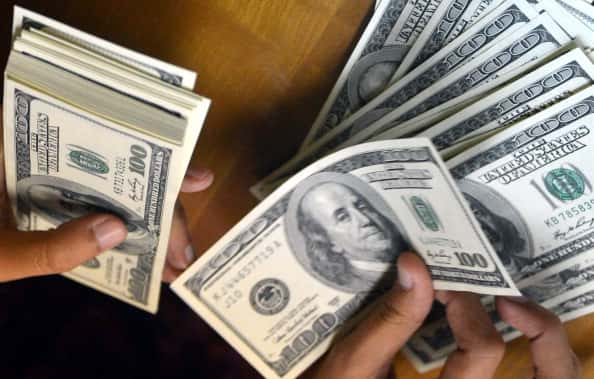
269 296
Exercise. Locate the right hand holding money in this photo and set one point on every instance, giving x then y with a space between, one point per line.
369 350
552 356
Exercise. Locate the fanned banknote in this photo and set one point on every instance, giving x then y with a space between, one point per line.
545 158
87 130
551 83
580 9
486 33
177 76
532 41
443 29
282 282
385 42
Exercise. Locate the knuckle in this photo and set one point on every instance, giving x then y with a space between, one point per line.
42 264
49 258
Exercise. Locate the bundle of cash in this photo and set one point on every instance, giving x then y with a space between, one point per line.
92 127
501 89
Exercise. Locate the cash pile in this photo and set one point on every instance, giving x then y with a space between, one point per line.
502 90
92 127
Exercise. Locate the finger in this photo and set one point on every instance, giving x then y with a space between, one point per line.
180 253
170 273
25 254
480 347
197 179
4 202
552 355
369 350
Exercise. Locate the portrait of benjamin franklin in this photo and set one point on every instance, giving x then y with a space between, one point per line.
58 201
502 224
344 233
372 74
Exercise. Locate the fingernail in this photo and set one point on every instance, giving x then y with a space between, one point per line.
518 299
203 178
200 173
109 233
190 255
405 279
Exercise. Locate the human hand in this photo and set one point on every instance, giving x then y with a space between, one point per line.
368 350
480 348
180 253
27 254
552 356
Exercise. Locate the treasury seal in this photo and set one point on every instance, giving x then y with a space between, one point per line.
565 184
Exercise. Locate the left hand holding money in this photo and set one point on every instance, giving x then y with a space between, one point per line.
26 254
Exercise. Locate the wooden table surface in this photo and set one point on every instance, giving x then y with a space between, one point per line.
267 65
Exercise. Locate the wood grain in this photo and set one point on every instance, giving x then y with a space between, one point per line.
268 65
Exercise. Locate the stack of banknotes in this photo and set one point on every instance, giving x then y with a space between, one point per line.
503 91
92 127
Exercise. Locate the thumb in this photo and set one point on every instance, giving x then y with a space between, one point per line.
372 345
25 254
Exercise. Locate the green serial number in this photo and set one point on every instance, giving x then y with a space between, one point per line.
570 213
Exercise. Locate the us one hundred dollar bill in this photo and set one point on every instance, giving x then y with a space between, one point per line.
431 117
546 159
338 226
391 32
483 35
443 28
166 72
576 27
581 38
580 10
547 85
533 41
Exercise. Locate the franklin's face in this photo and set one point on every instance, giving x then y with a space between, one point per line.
375 79
61 204
354 228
